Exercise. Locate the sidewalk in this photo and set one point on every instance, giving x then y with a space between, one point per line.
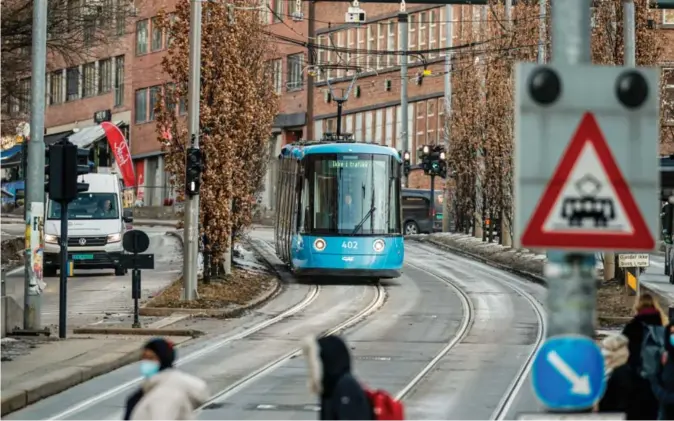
39 367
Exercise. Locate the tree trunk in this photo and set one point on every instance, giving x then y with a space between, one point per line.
609 266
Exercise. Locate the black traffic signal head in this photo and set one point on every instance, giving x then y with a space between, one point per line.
194 166
433 160
65 162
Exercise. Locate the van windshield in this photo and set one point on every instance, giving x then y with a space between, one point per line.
88 206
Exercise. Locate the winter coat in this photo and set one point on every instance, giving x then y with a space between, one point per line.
663 383
341 396
170 395
646 405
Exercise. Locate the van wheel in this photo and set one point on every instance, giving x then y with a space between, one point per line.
411 228
49 271
120 271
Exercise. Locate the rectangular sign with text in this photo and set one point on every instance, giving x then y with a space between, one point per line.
635 260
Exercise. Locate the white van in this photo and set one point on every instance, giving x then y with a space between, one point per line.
96 225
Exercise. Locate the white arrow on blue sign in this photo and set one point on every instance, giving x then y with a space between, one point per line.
568 373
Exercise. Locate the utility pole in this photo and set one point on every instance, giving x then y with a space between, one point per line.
572 292
449 34
35 194
402 21
629 33
191 234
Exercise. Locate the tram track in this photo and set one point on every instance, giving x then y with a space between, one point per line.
511 282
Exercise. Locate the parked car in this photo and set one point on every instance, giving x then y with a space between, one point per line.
418 214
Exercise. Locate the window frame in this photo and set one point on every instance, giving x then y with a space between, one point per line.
432 32
291 83
391 41
142 26
278 11
442 38
118 81
59 76
155 29
104 80
72 75
89 80
140 94
667 17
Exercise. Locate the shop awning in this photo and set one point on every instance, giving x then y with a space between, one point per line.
49 139
87 136
9 153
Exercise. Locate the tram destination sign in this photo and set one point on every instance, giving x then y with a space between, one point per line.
350 163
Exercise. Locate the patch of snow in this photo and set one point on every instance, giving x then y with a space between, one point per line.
7 340
248 260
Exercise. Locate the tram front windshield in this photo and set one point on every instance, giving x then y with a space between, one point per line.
354 194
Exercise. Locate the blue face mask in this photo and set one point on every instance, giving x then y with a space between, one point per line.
149 368
671 339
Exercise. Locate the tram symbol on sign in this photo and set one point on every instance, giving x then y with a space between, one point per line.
588 205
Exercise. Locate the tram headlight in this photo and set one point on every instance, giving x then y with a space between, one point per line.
319 244
378 245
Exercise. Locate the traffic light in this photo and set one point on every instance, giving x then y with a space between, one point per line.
433 160
65 162
407 165
193 167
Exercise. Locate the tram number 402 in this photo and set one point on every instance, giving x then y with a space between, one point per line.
349 245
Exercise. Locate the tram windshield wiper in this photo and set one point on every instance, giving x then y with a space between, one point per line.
360 224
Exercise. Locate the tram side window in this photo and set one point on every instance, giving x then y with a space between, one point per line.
304 204
325 201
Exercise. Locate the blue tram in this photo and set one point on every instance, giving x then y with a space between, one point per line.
339 209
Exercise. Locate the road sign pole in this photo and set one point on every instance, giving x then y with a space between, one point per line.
572 291
63 284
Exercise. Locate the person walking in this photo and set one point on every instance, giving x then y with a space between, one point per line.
166 393
662 383
341 395
621 379
643 357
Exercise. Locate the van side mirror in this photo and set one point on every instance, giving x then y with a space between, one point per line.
128 215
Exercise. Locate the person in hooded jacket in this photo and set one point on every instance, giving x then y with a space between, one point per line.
619 394
648 312
663 383
166 393
341 396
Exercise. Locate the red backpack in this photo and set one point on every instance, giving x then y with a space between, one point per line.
384 406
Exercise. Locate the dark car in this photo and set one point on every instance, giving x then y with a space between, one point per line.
418 214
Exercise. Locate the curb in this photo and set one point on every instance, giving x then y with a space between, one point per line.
148 310
32 391
138 331
536 278
157 223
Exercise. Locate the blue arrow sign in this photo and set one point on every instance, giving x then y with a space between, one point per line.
568 373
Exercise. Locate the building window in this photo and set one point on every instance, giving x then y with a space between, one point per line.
276 74
443 29
141 37
432 33
421 110
423 25
295 64
322 56
340 56
265 5
430 107
361 59
120 18
169 95
294 10
372 47
330 125
381 45
668 17
391 42
119 81
89 30
351 45
430 137
157 37
412 37
105 76
155 91
278 10
141 106
24 95
72 84
169 36
88 80
56 87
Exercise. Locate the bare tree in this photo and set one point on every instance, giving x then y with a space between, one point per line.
77 30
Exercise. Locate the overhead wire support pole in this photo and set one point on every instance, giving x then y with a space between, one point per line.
341 100
449 17
629 33
191 234
403 18
572 290
35 194
542 30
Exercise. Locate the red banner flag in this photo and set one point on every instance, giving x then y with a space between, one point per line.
121 151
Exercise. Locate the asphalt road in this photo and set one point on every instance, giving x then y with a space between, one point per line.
99 295
451 335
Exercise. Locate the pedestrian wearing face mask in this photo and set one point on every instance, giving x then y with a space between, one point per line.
663 383
166 393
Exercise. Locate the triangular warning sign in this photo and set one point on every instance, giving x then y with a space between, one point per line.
587 204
